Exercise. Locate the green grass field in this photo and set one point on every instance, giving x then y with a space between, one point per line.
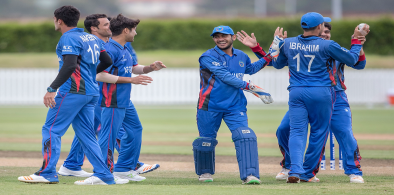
173 59
166 182
175 126
172 132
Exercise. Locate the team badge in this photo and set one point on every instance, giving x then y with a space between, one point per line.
241 64
219 28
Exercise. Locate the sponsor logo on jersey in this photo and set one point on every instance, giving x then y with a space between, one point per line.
216 63
241 63
88 37
245 131
128 69
206 144
67 48
299 46
238 75
124 59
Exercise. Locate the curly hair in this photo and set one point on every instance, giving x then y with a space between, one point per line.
119 23
69 14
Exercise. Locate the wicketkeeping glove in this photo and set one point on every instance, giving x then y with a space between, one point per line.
259 92
274 50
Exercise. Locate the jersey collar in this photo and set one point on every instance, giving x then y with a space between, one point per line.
309 37
235 52
116 43
74 30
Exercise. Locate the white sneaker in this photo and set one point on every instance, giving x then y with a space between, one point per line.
206 177
119 180
130 175
67 172
282 175
145 168
38 179
93 180
356 178
251 180
312 180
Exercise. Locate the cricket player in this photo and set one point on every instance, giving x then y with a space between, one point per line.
98 25
341 118
221 97
117 109
72 97
311 62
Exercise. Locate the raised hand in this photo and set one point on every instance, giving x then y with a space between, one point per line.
279 32
157 65
362 32
245 39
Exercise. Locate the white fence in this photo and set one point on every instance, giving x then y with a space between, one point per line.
181 86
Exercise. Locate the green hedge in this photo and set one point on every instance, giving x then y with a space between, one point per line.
194 34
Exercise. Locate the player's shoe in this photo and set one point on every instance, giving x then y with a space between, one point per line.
119 180
39 179
356 178
142 168
206 177
312 180
251 180
67 172
129 175
93 180
293 179
282 175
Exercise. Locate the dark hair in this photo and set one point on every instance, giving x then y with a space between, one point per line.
327 25
310 29
92 20
69 14
119 23
109 18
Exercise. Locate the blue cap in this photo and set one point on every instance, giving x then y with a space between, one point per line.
312 19
223 29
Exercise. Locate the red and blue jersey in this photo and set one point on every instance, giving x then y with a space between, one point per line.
87 47
221 79
117 95
340 76
311 60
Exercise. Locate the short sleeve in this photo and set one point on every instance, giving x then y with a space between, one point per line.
71 46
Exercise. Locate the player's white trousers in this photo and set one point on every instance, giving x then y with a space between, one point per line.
77 110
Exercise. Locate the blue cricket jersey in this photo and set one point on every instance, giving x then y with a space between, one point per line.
117 95
311 60
221 79
132 52
87 47
340 76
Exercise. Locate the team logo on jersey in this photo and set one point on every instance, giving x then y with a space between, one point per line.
67 48
124 59
219 28
216 63
241 63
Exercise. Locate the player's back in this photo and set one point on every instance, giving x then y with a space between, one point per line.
87 47
309 62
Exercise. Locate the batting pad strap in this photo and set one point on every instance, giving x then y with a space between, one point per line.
204 155
245 142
